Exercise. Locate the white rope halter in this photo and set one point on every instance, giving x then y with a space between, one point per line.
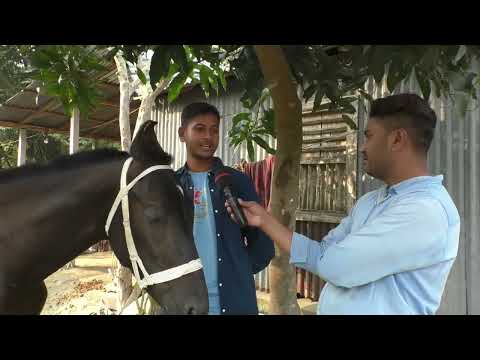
122 196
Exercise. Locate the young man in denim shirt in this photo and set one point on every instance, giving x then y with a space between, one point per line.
230 258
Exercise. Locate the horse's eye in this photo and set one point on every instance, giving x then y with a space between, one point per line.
154 213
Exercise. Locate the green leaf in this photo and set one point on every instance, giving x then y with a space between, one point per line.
424 83
260 131
129 53
172 70
221 76
268 122
214 84
264 144
318 98
378 59
332 92
366 95
239 117
179 56
349 121
93 64
40 60
309 91
5 82
457 80
461 101
159 65
437 86
348 108
395 75
141 76
204 75
469 82
250 150
176 87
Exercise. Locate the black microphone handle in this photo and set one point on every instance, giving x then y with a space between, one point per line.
235 206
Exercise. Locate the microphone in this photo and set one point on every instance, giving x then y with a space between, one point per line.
223 179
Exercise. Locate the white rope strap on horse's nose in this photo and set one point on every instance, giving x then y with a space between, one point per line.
162 276
171 274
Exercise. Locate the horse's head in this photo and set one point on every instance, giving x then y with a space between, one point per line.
161 225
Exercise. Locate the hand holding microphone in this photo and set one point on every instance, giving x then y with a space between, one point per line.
248 213
223 180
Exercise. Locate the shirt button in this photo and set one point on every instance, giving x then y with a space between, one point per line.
220 284
219 259
218 235
223 310
216 211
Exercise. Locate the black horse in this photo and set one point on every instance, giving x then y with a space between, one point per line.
51 214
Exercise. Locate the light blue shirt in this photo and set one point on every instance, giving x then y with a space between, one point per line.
391 255
204 237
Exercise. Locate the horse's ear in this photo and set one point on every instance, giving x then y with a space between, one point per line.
145 147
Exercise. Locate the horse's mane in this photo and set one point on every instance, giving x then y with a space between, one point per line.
65 162
79 160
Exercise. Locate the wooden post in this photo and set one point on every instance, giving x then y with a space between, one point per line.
22 147
74 130
122 276
73 148
351 169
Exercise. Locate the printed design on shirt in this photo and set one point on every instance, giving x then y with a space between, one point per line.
197 197
201 204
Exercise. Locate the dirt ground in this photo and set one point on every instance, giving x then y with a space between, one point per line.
79 290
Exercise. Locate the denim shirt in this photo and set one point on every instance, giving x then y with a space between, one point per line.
238 258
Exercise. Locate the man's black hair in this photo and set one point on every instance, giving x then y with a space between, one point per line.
198 108
408 111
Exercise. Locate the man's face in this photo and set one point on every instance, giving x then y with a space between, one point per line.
376 150
201 136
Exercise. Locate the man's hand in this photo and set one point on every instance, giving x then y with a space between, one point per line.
254 213
257 216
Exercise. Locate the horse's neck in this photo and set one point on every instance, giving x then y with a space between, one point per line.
52 219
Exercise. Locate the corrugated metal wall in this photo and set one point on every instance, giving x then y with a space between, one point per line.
455 153
228 104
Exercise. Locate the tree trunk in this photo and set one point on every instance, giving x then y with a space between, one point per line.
288 123
146 106
124 115
148 305
122 275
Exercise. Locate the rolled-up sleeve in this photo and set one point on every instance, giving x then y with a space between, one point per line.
305 252
407 236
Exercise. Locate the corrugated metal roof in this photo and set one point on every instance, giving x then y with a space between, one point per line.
29 110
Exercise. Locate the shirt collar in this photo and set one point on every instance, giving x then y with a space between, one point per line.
416 182
217 164
407 186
